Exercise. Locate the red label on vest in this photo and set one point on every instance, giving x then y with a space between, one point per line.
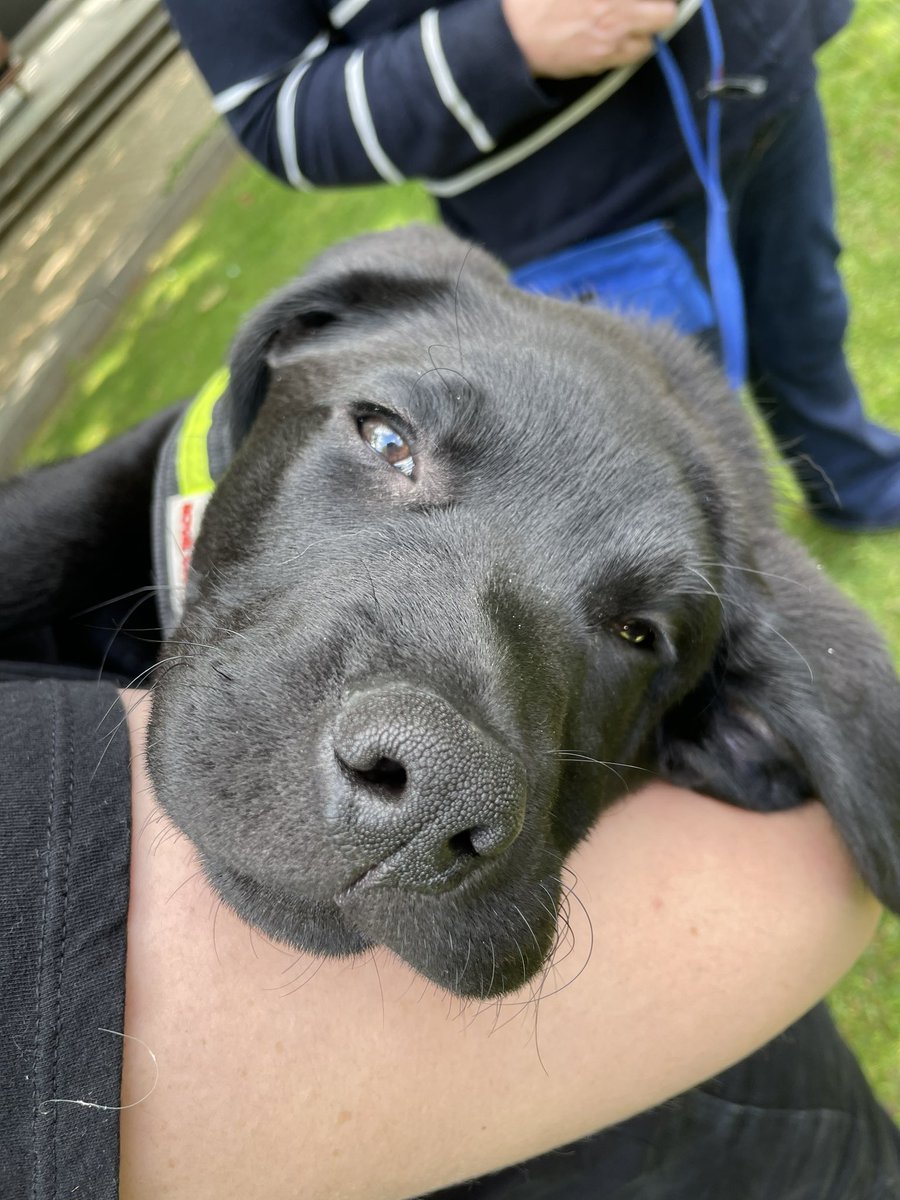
184 516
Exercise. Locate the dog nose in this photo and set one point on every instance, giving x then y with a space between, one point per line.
424 797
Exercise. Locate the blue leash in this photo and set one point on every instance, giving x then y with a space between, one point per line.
721 265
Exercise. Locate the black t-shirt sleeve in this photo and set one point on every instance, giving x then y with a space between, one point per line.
64 874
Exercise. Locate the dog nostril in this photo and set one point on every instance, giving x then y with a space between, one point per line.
386 774
418 790
479 842
461 846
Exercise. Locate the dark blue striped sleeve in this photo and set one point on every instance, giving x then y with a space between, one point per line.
319 104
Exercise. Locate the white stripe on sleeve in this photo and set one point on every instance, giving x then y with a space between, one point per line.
233 97
452 97
505 159
361 115
344 12
286 126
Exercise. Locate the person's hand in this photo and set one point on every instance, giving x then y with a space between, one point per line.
562 39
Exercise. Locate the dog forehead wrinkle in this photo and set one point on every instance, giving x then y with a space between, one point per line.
430 398
584 402
576 338
582 498
434 399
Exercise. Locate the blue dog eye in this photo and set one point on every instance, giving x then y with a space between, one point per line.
387 442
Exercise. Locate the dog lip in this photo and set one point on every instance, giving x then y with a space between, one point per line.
384 874
357 882
240 878
314 926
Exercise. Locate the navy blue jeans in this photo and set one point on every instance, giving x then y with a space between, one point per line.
794 1121
782 209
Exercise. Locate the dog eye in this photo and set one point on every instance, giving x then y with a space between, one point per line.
638 633
387 442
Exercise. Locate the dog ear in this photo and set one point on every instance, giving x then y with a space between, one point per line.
76 534
802 702
352 289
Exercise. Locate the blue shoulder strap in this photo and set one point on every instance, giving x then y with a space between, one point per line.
721 265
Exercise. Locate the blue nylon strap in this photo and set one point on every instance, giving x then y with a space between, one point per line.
721 265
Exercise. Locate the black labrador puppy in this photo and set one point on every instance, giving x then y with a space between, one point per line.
479 561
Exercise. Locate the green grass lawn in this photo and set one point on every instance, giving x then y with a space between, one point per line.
861 88
252 234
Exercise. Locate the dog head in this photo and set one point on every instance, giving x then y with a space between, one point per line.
482 561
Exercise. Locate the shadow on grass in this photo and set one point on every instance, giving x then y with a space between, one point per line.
250 237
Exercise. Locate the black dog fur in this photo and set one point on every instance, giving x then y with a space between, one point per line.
400 694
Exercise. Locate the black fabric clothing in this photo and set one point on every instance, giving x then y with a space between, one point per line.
76 586
794 1121
65 804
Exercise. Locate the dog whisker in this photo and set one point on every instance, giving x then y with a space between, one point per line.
713 590
184 883
465 965
305 977
768 625
462 267
110 735
527 925
822 473
574 756
590 949
586 759
148 591
439 371
752 571
329 541
119 626
764 624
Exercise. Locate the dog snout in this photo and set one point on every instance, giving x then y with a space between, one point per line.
423 796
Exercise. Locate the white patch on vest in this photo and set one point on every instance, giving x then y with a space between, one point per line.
184 516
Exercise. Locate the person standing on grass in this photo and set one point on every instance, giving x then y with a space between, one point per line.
518 117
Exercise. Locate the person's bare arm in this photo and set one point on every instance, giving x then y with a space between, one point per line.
700 932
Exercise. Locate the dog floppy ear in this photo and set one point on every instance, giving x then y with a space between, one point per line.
351 290
802 702
76 538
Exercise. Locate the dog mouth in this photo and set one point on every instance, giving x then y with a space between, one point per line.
381 874
472 946
316 926
391 872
